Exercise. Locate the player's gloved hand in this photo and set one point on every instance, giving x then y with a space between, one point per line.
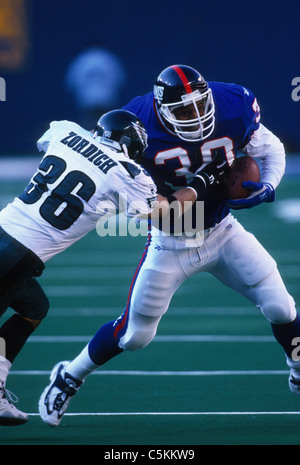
208 175
261 192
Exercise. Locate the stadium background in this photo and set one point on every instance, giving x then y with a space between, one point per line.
255 44
213 375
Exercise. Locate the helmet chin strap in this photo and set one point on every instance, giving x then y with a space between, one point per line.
190 135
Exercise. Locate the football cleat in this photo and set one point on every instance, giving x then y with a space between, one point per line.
294 384
56 397
9 414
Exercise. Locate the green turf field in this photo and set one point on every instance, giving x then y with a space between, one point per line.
212 376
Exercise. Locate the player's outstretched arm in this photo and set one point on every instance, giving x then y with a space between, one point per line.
205 177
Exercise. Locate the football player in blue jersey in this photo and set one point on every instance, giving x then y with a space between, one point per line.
191 122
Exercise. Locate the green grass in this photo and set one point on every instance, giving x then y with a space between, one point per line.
87 286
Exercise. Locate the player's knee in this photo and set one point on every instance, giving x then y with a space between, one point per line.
138 340
31 301
280 311
44 308
272 297
35 310
140 332
40 310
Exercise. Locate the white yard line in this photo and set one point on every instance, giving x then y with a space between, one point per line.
162 338
170 413
162 373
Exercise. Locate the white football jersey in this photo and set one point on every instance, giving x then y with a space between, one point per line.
78 181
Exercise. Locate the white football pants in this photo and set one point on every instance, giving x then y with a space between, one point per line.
228 252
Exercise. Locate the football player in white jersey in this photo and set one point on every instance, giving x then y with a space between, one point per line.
81 178
80 172
187 121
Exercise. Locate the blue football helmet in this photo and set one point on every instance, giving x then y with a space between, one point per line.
185 103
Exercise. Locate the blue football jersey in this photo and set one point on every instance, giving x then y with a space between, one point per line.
172 162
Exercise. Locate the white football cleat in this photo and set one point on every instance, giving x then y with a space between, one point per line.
294 384
294 377
56 397
9 414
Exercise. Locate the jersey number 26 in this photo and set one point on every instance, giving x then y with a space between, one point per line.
63 205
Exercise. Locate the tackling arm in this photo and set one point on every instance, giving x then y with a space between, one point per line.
186 197
205 178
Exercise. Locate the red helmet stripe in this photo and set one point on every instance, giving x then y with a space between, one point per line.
183 78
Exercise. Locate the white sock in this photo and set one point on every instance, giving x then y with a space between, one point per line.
5 366
81 366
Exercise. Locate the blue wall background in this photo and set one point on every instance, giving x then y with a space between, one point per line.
255 44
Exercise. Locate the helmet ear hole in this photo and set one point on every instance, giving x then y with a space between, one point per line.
178 87
121 129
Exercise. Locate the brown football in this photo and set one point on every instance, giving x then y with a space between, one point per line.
242 169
